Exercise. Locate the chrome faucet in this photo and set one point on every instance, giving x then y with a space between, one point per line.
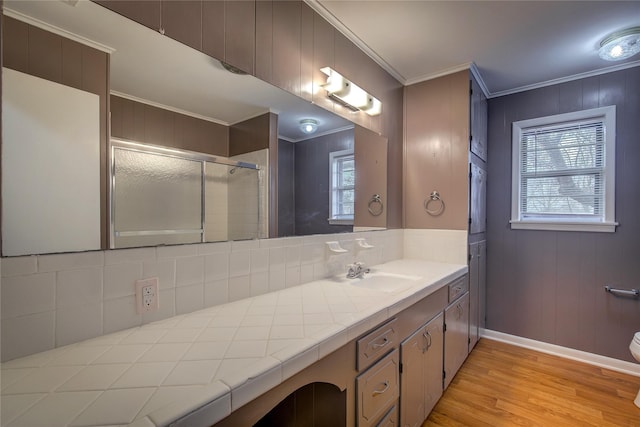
357 270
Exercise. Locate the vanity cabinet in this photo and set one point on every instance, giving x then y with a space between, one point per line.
391 374
456 336
421 359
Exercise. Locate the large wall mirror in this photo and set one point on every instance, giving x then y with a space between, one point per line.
252 141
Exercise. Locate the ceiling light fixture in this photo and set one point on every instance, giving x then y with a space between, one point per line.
620 45
308 126
349 94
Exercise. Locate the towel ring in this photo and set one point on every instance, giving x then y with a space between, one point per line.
433 204
375 205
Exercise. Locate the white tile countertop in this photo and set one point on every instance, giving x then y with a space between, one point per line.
212 361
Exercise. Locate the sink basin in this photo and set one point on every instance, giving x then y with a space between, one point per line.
385 282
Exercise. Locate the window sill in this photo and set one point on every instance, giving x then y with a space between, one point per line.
599 227
335 221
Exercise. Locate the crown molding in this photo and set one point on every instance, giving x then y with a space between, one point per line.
56 30
570 78
168 107
317 134
337 24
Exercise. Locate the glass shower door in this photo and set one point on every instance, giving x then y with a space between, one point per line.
157 199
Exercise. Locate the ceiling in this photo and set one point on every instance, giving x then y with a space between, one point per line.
515 45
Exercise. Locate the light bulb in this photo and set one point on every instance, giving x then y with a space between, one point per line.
620 45
308 125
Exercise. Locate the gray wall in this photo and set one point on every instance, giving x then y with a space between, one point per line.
311 188
286 187
548 286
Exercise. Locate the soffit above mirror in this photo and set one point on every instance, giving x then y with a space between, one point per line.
151 67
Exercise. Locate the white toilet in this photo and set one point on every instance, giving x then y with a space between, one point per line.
635 350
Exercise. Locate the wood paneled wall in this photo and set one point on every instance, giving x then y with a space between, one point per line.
437 151
145 123
31 50
370 150
549 286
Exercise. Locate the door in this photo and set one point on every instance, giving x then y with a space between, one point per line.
421 378
478 202
456 337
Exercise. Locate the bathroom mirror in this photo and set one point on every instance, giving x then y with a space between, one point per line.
151 69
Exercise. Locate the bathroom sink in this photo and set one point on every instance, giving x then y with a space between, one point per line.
385 282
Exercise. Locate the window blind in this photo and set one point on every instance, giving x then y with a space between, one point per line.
562 170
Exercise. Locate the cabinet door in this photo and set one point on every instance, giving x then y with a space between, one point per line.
474 295
421 380
477 290
478 202
433 363
482 284
478 121
456 337
182 21
145 12
412 412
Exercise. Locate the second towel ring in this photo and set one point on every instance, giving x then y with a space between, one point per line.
433 204
375 205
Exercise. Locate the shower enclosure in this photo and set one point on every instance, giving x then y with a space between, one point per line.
168 196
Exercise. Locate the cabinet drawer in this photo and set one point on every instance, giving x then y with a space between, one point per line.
376 344
377 390
390 419
458 287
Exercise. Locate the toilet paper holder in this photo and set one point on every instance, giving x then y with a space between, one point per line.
630 293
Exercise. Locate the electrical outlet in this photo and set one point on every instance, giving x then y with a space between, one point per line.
147 298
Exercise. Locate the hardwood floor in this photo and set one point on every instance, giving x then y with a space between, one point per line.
505 385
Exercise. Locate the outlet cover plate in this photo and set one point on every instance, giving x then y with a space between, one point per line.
147 298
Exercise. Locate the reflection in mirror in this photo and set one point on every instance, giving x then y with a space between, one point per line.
312 198
169 196
197 105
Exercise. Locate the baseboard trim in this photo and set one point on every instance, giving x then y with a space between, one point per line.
568 353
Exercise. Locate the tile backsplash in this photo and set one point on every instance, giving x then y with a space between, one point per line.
49 301
448 246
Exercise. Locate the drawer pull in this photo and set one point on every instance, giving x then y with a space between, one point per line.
384 342
385 388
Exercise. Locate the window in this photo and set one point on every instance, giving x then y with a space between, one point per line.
564 172
342 184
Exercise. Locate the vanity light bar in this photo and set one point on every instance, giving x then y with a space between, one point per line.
349 94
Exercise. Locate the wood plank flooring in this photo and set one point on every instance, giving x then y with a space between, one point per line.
505 385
